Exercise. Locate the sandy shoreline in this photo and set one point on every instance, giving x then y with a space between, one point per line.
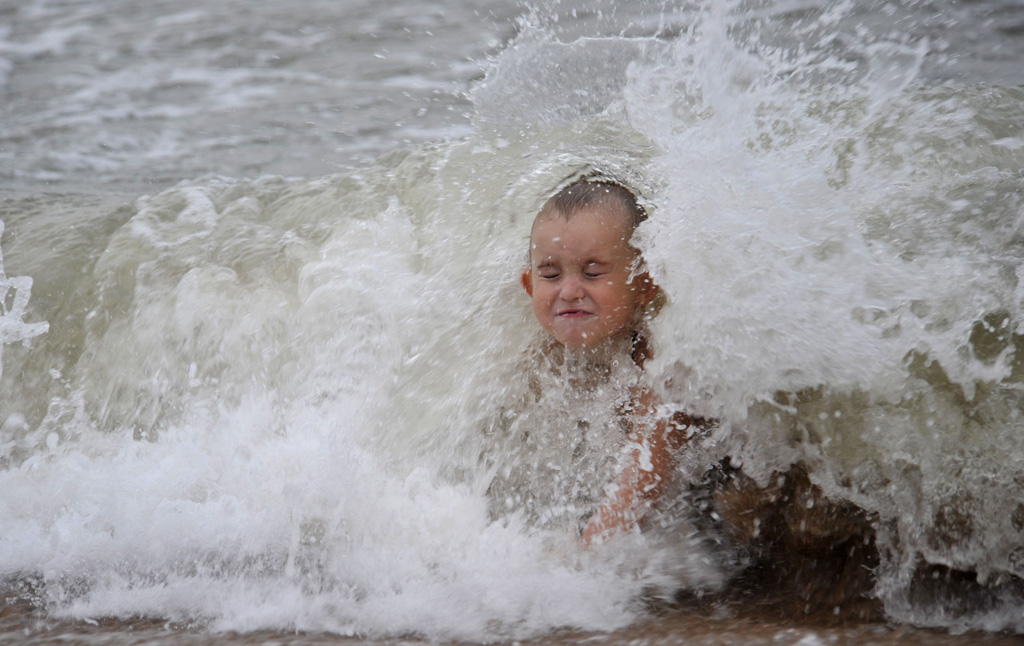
716 625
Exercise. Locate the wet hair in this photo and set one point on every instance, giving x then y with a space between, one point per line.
584 194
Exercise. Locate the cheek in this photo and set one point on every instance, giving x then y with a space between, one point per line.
624 298
541 290
542 297
613 291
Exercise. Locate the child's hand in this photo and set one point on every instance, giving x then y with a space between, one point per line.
644 477
621 512
595 532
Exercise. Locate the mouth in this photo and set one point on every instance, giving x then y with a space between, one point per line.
571 314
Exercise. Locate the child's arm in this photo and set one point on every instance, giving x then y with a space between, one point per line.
647 471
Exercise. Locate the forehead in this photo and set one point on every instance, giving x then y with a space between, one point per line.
588 231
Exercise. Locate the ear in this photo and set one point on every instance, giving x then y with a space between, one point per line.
648 289
526 278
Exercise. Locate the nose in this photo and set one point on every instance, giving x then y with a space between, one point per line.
571 289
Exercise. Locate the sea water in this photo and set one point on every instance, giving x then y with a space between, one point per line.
261 305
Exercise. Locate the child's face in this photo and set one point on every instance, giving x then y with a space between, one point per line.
580 277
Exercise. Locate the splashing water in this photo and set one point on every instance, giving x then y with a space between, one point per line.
264 402
14 295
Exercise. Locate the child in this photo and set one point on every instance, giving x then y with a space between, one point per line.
590 295
592 448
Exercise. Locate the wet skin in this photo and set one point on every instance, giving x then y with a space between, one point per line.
580 278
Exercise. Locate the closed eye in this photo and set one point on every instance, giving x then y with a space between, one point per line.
595 270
